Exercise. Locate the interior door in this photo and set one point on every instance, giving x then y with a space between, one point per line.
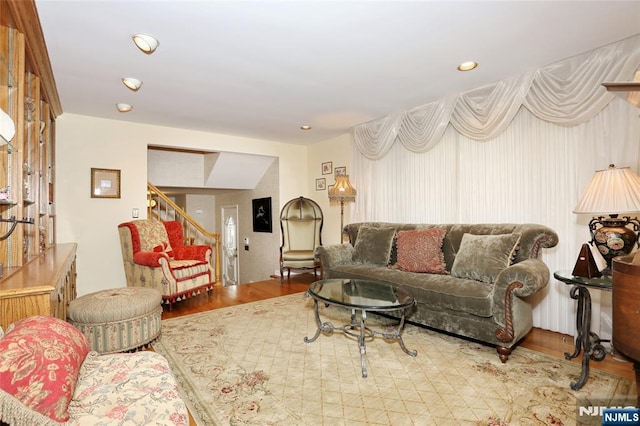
230 275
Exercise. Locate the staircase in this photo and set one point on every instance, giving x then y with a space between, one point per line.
161 207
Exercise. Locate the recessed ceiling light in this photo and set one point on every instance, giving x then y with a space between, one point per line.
148 44
305 127
132 83
467 66
124 107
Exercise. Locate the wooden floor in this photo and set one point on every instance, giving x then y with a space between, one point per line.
548 342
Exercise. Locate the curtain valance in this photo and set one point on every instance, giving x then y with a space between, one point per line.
566 93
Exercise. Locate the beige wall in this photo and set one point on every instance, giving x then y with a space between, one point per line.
202 209
338 152
84 142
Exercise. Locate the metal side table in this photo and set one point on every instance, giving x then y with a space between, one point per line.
586 341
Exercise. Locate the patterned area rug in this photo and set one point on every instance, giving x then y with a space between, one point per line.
248 364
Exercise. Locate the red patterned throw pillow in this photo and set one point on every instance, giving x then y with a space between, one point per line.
420 250
40 358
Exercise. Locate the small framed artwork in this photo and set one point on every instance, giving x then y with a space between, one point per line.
105 183
321 184
327 168
340 171
261 214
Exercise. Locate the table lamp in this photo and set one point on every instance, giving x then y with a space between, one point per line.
612 192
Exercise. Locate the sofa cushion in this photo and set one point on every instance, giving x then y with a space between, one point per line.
374 244
421 251
40 357
438 292
483 257
153 236
127 388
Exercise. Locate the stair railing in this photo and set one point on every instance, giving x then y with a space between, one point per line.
161 207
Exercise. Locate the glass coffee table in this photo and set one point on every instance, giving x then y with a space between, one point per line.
361 296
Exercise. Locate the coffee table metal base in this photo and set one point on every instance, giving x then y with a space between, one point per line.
359 330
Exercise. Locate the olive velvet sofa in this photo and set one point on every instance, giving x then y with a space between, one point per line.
471 280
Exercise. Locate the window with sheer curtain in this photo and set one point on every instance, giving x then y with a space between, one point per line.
521 150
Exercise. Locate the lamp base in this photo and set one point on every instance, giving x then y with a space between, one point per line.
613 238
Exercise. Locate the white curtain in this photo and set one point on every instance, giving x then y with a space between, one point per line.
566 93
544 135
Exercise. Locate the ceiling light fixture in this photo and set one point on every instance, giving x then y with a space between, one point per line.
148 44
132 83
124 107
305 127
467 66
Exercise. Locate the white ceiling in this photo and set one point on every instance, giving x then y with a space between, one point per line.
262 69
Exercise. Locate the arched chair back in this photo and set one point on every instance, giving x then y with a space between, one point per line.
301 222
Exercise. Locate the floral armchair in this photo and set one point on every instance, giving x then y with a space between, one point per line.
154 255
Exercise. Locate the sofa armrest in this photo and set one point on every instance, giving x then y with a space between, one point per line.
521 279
197 252
148 258
334 255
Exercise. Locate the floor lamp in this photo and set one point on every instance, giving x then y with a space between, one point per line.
342 192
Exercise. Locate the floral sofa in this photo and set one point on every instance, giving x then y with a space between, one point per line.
48 377
469 280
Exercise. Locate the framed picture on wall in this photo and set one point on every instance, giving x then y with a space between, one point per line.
340 171
321 184
105 183
262 214
327 168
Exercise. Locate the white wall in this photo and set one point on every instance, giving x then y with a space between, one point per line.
84 142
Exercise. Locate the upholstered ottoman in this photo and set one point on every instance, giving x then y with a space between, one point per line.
118 320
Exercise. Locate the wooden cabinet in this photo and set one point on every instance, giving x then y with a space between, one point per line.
626 311
38 276
44 286
28 95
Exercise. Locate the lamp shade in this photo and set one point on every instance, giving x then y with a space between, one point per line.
612 191
342 190
7 128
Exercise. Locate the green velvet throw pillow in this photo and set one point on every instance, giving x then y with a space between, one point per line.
373 245
483 257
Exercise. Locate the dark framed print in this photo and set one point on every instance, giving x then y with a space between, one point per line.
327 168
262 214
105 183
340 171
321 184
